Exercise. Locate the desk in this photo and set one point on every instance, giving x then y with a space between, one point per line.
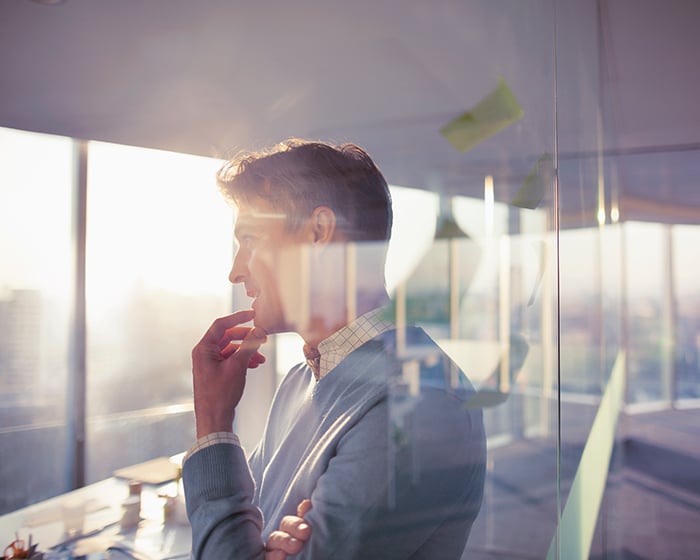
152 539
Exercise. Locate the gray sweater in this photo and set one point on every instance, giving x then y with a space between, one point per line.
386 447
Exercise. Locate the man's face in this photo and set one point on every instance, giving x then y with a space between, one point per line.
271 263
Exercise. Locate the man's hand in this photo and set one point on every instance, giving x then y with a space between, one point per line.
219 364
291 536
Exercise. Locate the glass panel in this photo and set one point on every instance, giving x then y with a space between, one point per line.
158 251
591 377
36 292
485 290
551 252
686 252
645 256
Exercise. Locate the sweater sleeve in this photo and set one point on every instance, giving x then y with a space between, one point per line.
219 495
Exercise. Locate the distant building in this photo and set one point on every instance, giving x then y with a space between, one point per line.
20 328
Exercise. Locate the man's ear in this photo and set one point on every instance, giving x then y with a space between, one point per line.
323 222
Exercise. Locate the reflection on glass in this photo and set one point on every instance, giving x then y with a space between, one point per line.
481 290
36 265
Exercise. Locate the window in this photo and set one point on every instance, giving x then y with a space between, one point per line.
36 296
158 250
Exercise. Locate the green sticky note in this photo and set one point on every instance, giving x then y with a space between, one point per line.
534 186
492 114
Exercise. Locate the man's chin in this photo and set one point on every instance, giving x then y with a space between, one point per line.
272 327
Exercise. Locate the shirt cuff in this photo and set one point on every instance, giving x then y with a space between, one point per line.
212 439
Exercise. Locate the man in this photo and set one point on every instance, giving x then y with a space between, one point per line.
375 429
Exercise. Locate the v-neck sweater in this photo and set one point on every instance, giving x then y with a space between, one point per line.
387 449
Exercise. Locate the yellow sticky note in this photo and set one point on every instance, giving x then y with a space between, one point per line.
492 114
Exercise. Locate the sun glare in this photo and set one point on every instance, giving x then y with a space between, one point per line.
155 222
35 212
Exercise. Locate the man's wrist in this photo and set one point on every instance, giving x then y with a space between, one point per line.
209 429
206 426
212 439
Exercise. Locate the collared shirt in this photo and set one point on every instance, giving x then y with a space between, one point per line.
332 350
337 346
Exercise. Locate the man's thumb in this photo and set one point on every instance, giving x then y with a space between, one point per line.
250 344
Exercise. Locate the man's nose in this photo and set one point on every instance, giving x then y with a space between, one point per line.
239 269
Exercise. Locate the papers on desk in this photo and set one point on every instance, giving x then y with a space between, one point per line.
155 471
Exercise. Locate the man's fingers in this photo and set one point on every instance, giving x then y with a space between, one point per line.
303 507
234 334
291 535
295 527
284 542
253 340
275 555
256 359
219 326
249 346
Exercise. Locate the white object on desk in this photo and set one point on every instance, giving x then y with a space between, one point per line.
131 513
73 513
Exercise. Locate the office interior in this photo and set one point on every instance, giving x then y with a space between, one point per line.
544 161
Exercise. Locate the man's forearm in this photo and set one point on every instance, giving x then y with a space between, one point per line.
219 492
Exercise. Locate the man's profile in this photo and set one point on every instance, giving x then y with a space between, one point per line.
372 428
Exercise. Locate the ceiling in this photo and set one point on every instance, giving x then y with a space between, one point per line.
608 88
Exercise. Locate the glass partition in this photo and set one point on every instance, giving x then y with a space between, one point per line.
546 246
36 300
